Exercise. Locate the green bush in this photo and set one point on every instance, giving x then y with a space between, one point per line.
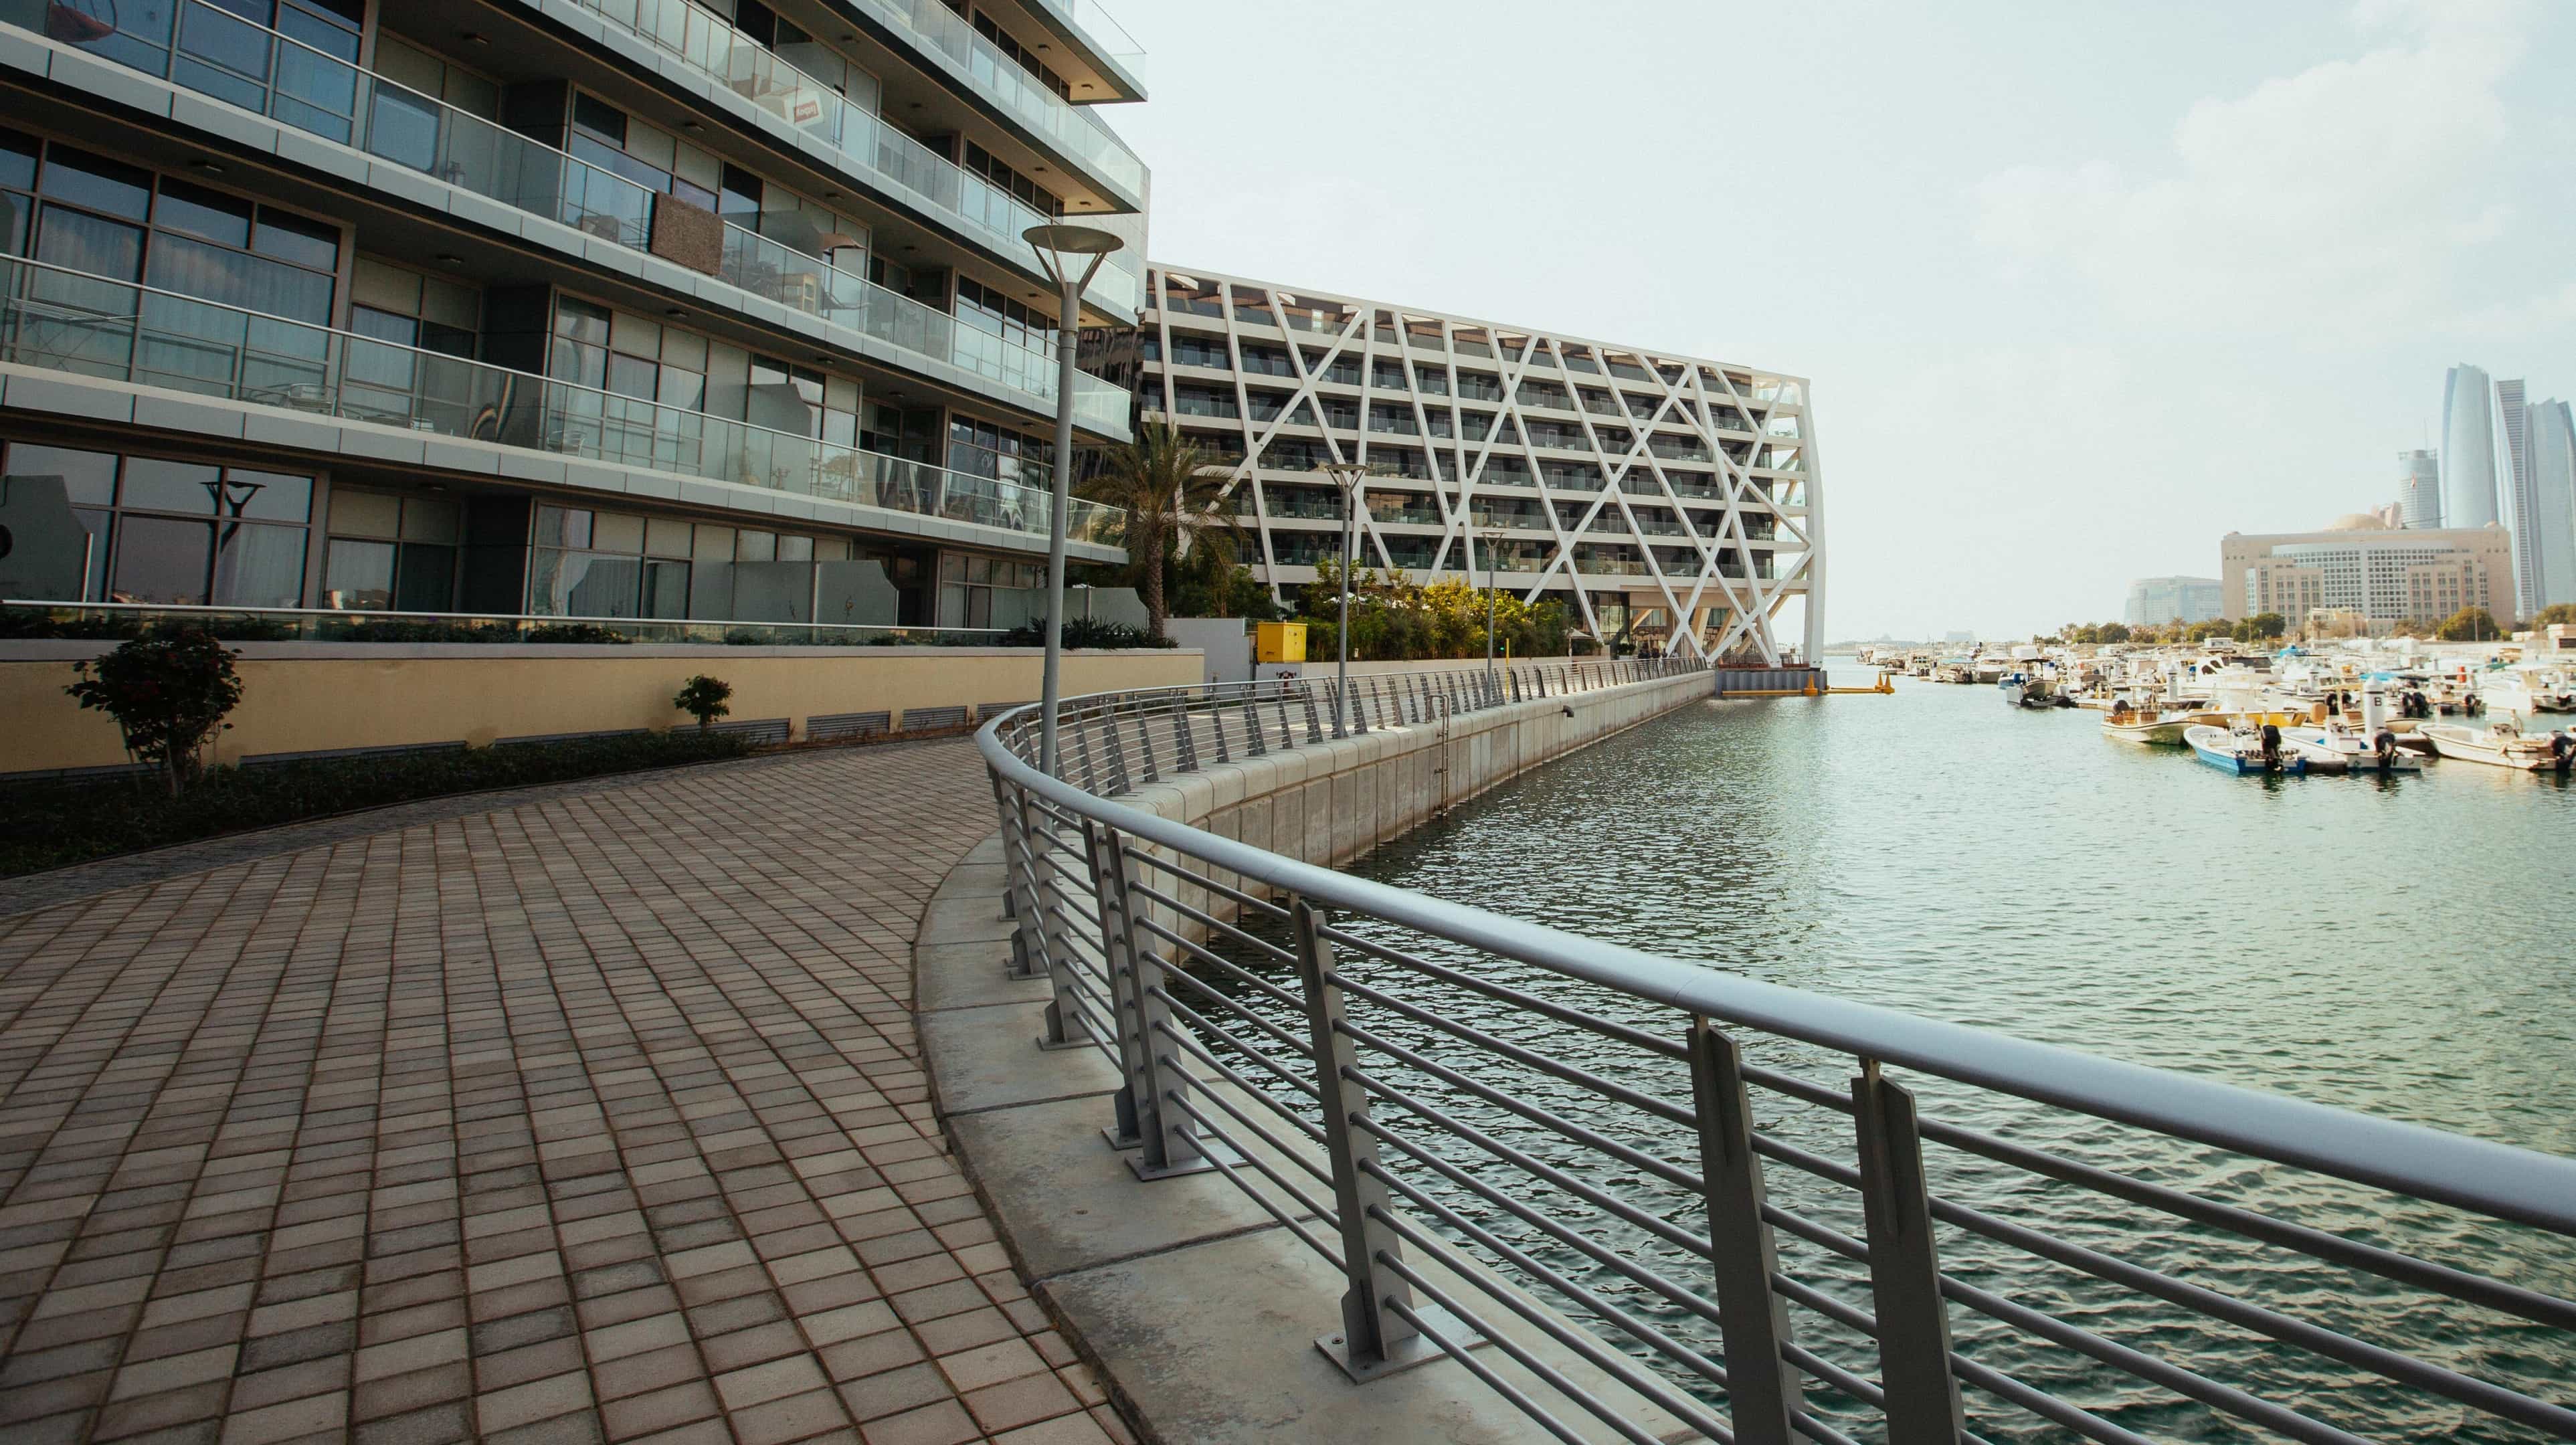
1084 632
47 826
704 698
168 691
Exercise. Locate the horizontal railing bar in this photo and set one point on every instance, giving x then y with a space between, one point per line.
1592 1139
1279 1070
1331 1253
1521 1355
1286 1150
1199 951
1513 1394
1262 946
1248 900
1607 1088
1598 1197
2499 1179
1607 1360
1562 1013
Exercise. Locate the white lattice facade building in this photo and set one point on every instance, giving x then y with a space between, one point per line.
1666 500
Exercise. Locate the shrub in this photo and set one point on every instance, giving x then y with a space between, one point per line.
1085 632
586 632
703 697
47 826
168 691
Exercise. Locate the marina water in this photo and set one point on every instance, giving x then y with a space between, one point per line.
2404 947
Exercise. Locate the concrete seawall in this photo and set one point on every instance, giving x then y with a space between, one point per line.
1197 1309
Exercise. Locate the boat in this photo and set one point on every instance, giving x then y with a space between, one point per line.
2503 746
2241 752
2528 688
2352 751
2034 690
2153 726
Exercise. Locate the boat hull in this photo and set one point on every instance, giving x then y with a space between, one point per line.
2217 747
2349 753
2475 745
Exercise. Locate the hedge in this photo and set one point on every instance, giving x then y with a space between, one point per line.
49 825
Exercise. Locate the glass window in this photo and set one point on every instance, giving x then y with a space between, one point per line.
617 532
365 514
97 182
269 496
431 519
384 326
207 215
666 589
753 546
231 278
358 575
89 478
629 376
665 537
600 118
17 161
79 241
426 579
159 485
562 527
258 566
795 549
160 559
295 239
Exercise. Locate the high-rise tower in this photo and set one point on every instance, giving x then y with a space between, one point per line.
2551 451
2468 449
2419 489
2520 504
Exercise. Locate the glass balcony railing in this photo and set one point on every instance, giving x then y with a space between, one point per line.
1072 129
219 54
709 44
87 325
1107 36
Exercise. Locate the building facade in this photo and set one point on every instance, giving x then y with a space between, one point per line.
2419 488
2552 444
2155 601
2366 564
576 308
1665 500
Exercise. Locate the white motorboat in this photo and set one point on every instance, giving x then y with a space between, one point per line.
2154 726
2240 751
2352 751
2503 746
2528 688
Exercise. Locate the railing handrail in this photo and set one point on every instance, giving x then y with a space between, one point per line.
622 403
372 613
2498 1179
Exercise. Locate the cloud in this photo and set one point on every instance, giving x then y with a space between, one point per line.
2339 202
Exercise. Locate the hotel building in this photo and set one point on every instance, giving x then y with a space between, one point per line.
603 308
1663 499
2366 565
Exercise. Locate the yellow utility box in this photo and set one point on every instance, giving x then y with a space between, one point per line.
1279 641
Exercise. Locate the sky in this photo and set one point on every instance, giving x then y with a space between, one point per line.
2080 288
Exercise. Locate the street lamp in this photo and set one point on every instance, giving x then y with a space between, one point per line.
1490 536
1352 478
1060 249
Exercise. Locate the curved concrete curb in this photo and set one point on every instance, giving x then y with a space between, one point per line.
1196 1308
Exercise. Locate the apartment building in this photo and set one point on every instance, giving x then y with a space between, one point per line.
1666 500
577 308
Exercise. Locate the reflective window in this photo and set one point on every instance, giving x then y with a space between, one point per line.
93 526
161 559
389 551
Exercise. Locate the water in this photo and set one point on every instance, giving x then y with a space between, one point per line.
2397 946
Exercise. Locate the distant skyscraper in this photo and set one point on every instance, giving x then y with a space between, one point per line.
2419 490
2521 504
2551 452
2155 601
2468 449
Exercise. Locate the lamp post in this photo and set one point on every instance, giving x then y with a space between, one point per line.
1060 249
1493 570
1352 478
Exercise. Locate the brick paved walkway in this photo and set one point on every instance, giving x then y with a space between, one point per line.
598 1116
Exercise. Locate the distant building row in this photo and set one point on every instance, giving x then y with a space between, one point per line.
2369 565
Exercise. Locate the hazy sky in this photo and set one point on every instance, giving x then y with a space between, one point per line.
2081 287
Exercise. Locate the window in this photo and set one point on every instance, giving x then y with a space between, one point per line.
96 526
388 551
982 162
603 136
1026 59
983 449
633 370
967 584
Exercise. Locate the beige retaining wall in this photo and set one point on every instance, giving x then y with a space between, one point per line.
316 697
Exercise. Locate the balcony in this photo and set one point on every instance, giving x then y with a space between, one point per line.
70 321
219 54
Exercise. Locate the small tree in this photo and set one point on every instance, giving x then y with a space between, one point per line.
2556 612
703 697
168 690
2470 624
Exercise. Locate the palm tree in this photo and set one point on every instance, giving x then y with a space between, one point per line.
1170 493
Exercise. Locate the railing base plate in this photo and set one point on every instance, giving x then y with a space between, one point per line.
1197 1165
1079 1041
1417 1350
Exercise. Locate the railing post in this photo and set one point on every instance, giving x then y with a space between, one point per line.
1118 780
1185 747
1122 1132
1762 1386
1145 740
1314 720
1287 731
1135 976
1082 749
1374 1340
1904 1268
1216 722
1019 868
1252 721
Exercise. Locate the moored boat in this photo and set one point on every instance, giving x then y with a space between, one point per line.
2154 727
2381 752
2503 746
2241 752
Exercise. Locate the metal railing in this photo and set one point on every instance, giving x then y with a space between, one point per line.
87 325
23 618
1744 1211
